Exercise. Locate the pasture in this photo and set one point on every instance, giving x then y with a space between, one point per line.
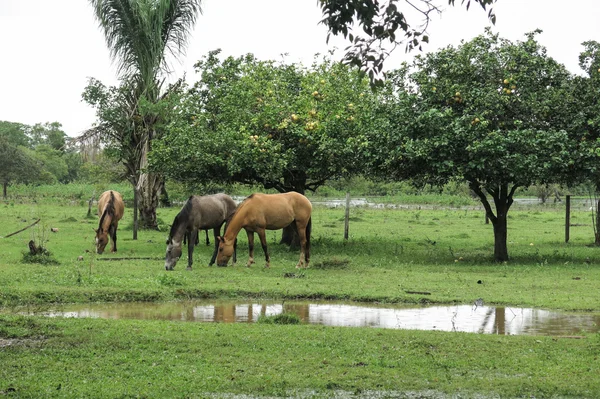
391 254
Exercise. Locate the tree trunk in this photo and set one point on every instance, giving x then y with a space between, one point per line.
503 199
289 235
4 186
597 225
500 238
149 186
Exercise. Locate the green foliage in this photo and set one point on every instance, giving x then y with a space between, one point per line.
49 134
41 154
55 168
15 133
16 165
586 127
280 125
478 116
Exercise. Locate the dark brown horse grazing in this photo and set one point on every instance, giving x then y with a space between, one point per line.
110 210
260 212
198 213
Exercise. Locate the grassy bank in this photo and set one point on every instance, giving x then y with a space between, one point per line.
100 358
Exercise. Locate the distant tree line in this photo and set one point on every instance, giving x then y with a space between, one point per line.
43 154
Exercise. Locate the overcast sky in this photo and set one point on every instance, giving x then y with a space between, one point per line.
50 48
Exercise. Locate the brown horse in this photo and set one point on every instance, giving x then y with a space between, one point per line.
110 210
198 213
260 212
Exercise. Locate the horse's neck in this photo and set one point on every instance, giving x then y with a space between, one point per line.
179 232
235 225
106 220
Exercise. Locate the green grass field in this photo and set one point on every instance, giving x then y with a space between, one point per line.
446 252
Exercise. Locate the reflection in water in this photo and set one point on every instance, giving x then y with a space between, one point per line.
464 318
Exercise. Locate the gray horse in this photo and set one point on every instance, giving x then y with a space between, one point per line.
198 213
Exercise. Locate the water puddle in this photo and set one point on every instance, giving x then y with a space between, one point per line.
464 318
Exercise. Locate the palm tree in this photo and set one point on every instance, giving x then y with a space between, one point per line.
142 36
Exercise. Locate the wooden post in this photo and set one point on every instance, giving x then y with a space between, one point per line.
135 212
567 218
347 217
90 203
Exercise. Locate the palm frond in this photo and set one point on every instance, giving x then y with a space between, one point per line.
141 34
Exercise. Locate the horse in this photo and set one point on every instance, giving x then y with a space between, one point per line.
260 212
198 213
110 210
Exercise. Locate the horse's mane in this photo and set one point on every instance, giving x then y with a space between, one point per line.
182 216
109 209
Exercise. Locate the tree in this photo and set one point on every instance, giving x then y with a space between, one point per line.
50 134
16 166
283 126
53 164
490 112
586 128
15 133
380 22
141 36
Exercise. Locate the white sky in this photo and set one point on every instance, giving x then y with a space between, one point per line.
50 48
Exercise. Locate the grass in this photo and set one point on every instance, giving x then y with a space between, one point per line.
121 358
391 254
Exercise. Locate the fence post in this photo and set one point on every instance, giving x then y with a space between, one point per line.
135 212
347 217
567 218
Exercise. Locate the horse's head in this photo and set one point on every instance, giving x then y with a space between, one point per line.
173 254
101 240
225 251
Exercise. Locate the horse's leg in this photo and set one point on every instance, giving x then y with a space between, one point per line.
303 229
113 234
191 241
234 251
207 240
263 242
217 233
250 247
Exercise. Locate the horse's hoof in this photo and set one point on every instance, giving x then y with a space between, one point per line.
188 268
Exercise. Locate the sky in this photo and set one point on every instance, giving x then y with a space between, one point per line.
51 48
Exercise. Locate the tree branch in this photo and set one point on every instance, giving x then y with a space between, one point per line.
23 229
473 185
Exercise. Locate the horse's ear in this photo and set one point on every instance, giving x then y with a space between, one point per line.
96 230
220 239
